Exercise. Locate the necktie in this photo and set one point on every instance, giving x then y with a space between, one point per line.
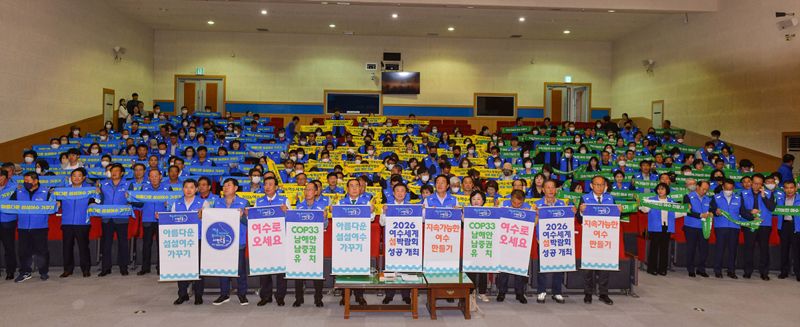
353 201
598 199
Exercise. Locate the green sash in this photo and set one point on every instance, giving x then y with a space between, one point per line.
786 211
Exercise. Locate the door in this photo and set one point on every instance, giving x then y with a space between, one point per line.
556 104
198 93
109 106
657 113
791 145
568 101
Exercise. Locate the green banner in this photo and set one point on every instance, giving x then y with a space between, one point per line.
516 129
786 211
707 227
549 148
665 206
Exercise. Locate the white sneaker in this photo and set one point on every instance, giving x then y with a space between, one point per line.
540 298
558 298
483 297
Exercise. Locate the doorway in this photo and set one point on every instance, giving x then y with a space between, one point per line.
200 92
657 113
568 101
791 145
109 106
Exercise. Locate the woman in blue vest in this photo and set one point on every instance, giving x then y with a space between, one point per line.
32 229
190 202
230 200
75 227
660 225
310 202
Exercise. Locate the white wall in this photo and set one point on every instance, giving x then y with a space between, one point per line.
297 68
56 58
731 70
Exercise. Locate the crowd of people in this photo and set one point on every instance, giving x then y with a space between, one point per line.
381 161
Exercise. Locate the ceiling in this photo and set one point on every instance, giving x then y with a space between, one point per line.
314 17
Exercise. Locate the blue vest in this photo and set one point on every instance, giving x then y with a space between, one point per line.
10 189
507 204
592 199
33 221
732 208
114 195
699 205
654 218
149 209
264 201
780 198
449 201
212 199
238 203
73 212
196 205
766 214
363 199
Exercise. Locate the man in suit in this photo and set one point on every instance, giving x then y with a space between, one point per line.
599 277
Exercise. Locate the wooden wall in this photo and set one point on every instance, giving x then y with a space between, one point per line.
12 150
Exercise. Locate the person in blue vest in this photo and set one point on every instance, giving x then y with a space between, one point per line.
32 230
337 130
332 187
190 202
596 277
8 225
567 163
272 198
758 202
399 196
149 222
204 191
786 168
441 198
645 173
517 201
356 197
75 227
556 279
696 244
291 128
660 225
786 227
231 201
310 202
727 232
113 191
202 159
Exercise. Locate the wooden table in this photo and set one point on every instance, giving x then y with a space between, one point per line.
449 286
349 283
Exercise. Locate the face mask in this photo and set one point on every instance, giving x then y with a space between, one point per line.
76 132
145 137
572 129
583 151
709 149
526 154
692 188
280 134
454 189
104 163
632 148
388 124
358 162
103 138
568 155
28 186
299 171
108 126
39 170
293 158
125 136
434 131
599 125
389 166
424 178
494 138
186 123
770 186
256 179
370 151
577 140
319 133
28 159
162 117
622 163
727 193
535 132
497 164
94 151
108 174
303 142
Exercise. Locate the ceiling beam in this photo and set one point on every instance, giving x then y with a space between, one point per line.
655 6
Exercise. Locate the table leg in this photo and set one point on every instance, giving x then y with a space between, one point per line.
432 304
346 303
466 306
414 300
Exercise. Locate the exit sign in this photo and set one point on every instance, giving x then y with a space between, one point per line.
199 71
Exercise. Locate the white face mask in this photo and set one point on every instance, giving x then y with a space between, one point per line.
535 132
632 148
103 138
28 159
299 171
388 124
692 188
94 151
319 133
622 163
125 136
583 151
526 154
572 129
280 134
599 125
434 131
293 158
389 166
498 164
770 186
39 170
162 152
357 161
303 142
424 178
54 146
727 193
300 155
709 149
108 126
528 165
370 151
326 159
256 179
680 140
454 189
76 132
184 111
186 123
104 163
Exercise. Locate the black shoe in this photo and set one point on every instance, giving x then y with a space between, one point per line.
691 274
663 273
652 273
746 275
605 299
10 276
702 274
718 275
243 300
783 276
104 273
361 300
407 300
123 273
181 300
764 277
221 299
297 303
521 298
198 300
732 275
280 302
142 272
798 277
387 300
501 297
587 299
65 274
319 303
264 301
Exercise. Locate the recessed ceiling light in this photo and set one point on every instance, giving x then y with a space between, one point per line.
521 19
394 16
332 25
612 10
162 9
567 31
263 11
451 28
210 22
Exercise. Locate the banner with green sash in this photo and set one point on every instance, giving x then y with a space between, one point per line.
74 193
153 196
516 129
786 211
107 210
27 207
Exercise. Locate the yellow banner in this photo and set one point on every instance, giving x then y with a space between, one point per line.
414 122
312 128
249 196
332 122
